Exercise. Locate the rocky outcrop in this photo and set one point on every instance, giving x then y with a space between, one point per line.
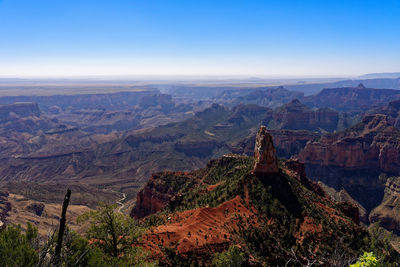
350 210
148 203
392 110
343 196
296 166
265 160
161 189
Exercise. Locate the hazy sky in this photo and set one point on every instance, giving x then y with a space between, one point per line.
198 37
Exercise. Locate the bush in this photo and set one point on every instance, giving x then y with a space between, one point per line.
16 247
233 257
368 259
113 234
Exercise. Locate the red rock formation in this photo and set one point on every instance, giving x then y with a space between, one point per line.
265 160
152 198
296 166
161 190
373 143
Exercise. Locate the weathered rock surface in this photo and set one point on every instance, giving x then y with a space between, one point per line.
388 212
373 143
392 110
296 166
343 196
265 160
354 159
158 193
297 116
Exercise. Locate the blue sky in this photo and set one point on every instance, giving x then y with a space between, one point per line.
198 37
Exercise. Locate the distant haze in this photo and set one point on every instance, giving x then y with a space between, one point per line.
47 38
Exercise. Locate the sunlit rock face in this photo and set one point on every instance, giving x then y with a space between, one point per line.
265 160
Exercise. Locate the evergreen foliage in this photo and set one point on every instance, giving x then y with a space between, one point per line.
16 247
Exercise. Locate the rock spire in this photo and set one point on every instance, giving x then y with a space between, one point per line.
265 160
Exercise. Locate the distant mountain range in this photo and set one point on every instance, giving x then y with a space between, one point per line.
390 75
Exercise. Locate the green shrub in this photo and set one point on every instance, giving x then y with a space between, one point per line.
233 257
16 247
368 259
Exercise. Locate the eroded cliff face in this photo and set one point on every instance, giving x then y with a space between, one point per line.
355 158
22 118
373 144
388 212
289 143
149 200
392 110
297 116
8 112
160 190
265 160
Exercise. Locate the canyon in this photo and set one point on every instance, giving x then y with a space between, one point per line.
113 145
